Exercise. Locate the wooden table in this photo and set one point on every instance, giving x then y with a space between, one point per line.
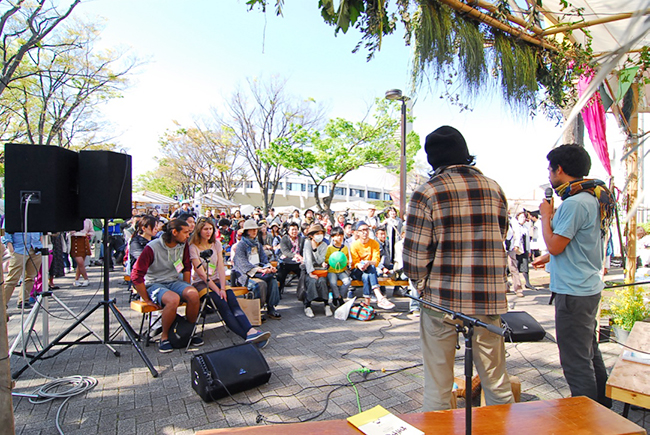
574 415
629 381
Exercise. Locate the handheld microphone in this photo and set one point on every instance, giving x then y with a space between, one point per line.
548 193
206 254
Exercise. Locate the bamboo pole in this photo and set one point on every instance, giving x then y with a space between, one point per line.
584 24
632 167
492 8
6 385
493 22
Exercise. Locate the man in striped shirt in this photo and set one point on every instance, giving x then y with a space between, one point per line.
454 253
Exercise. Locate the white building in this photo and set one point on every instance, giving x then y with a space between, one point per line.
367 184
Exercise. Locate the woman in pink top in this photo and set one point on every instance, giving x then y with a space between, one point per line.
209 272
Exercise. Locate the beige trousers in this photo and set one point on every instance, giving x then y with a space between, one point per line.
439 350
32 265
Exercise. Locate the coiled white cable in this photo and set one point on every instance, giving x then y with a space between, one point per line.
63 388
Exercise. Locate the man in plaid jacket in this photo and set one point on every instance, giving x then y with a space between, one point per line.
454 253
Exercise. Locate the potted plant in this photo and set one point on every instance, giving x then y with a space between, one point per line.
626 307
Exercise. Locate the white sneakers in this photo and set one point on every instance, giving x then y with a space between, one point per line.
328 311
83 283
385 304
308 312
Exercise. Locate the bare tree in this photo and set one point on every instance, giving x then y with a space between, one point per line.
63 82
205 159
259 115
23 27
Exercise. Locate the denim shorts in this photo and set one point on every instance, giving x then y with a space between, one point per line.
158 289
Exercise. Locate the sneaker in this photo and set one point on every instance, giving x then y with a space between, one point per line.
258 337
22 305
385 304
416 313
520 294
85 283
328 311
197 341
165 346
350 294
274 315
77 283
308 312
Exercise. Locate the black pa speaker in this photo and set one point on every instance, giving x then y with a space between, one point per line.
104 184
49 175
521 327
230 370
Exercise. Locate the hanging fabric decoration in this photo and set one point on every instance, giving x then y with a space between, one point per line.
594 116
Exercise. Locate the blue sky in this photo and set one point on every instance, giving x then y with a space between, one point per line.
199 51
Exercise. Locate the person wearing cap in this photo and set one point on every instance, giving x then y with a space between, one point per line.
458 266
185 210
272 217
265 239
365 259
373 221
276 237
254 269
314 252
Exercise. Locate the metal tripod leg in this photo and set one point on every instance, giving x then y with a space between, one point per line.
201 315
27 326
131 334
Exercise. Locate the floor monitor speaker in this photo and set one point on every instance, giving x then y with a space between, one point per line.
230 370
47 175
104 184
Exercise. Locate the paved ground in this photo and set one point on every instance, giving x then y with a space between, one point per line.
309 359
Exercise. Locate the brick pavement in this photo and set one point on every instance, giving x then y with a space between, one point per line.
309 359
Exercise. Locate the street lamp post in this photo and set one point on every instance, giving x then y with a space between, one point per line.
396 94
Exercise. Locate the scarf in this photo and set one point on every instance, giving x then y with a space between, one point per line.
606 200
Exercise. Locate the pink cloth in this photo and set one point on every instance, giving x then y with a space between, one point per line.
594 116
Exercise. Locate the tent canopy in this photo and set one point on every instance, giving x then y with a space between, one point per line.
153 198
214 200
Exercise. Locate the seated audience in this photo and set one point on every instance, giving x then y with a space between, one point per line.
155 278
314 253
334 275
365 259
254 269
211 273
290 258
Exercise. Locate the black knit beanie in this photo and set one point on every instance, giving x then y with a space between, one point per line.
446 146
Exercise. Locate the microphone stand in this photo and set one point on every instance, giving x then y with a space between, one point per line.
467 329
205 300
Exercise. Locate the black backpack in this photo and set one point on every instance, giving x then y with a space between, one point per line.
180 332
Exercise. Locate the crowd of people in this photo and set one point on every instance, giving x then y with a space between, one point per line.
451 251
190 256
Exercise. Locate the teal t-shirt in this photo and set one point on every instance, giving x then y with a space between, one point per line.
576 271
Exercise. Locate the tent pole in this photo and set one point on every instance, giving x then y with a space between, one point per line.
632 166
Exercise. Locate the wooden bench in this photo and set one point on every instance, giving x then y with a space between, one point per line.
384 282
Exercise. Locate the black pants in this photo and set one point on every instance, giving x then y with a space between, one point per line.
283 270
580 358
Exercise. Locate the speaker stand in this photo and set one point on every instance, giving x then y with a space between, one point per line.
109 307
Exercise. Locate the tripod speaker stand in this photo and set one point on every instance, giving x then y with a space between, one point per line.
109 308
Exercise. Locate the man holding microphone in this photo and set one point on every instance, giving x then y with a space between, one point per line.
575 236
